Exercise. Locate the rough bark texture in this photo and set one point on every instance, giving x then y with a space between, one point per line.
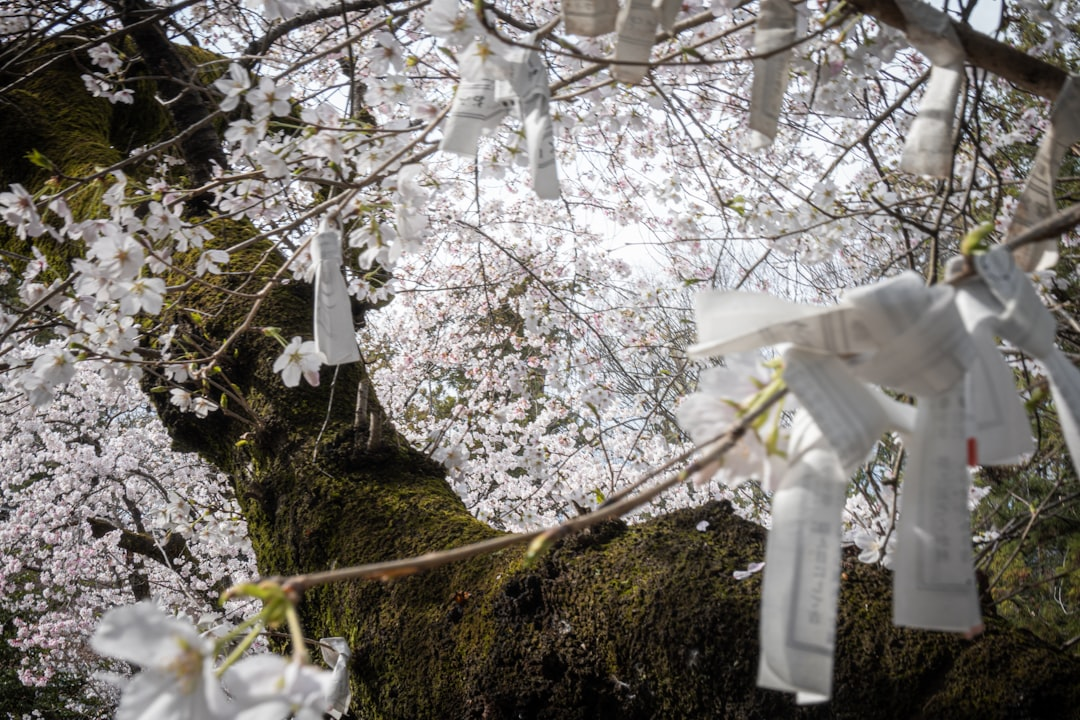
623 622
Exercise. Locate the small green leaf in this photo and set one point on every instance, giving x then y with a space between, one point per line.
36 157
975 241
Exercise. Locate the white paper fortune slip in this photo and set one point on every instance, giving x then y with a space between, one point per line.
802 572
1037 201
1022 319
928 149
775 29
474 110
589 17
336 654
899 334
635 31
481 103
335 336
529 82
667 11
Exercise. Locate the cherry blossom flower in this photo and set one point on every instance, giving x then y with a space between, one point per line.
38 392
874 547
104 56
299 358
104 88
202 406
275 9
452 457
146 294
176 681
180 398
55 366
118 256
386 54
187 402
270 99
752 568
19 211
719 402
452 21
273 165
161 220
271 686
209 261
246 134
233 85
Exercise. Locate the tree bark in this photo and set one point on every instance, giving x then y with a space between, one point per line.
642 621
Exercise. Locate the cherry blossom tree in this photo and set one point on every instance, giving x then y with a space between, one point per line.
521 227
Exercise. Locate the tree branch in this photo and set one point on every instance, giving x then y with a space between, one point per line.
1005 61
142 543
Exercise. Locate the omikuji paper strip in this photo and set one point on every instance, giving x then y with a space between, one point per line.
635 31
1037 201
335 336
802 573
775 29
336 654
481 104
929 146
1022 319
899 334
589 17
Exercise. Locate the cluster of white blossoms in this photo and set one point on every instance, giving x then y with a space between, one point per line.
180 678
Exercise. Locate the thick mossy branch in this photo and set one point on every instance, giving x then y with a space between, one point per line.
623 622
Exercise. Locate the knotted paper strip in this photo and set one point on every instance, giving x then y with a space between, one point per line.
926 350
335 336
840 422
802 572
1037 201
635 31
589 17
529 83
1023 320
998 428
775 28
667 11
934 573
474 110
928 150
336 654
900 334
482 103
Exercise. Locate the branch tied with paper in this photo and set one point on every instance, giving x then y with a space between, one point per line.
935 343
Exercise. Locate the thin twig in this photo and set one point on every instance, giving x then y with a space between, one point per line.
410 566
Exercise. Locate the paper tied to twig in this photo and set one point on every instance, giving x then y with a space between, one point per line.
801 580
336 654
335 335
1003 301
1037 201
635 32
589 17
529 82
514 81
774 33
929 146
899 334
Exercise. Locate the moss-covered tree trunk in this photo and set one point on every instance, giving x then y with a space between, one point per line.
621 622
